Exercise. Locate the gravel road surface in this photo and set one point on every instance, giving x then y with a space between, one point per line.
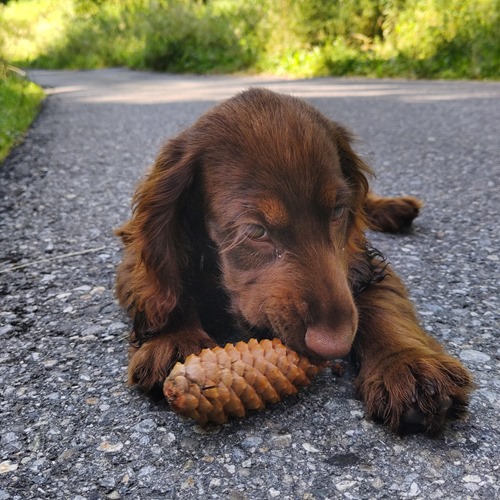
70 427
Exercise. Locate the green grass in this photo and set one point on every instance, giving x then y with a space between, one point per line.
20 102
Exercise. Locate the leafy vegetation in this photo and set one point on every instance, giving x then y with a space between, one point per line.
410 38
19 102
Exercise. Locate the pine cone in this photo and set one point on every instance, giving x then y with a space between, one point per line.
226 382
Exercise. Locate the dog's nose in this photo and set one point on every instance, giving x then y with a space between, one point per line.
330 343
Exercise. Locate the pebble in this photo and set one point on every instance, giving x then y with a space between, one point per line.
146 426
251 442
110 447
310 448
414 490
471 478
4 330
7 466
230 468
474 356
345 485
4 495
281 441
146 471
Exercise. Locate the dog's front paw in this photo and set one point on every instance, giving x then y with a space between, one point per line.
151 363
416 391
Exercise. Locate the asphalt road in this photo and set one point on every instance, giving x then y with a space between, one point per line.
70 427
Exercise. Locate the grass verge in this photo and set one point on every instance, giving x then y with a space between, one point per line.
20 102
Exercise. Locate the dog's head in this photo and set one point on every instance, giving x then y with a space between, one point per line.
279 192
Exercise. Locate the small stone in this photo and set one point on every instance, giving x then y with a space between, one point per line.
247 463
87 338
274 493
7 466
110 447
251 442
4 495
169 438
9 437
147 470
309 448
474 356
4 330
188 483
114 495
414 490
281 440
471 478
92 330
345 485
117 326
146 426
67 454
108 482
230 468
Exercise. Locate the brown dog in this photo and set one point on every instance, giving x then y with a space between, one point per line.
251 224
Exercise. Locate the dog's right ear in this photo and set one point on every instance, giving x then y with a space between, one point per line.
155 238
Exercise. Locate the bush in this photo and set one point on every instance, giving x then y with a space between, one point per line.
414 38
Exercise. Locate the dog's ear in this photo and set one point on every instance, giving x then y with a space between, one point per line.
157 233
353 167
355 171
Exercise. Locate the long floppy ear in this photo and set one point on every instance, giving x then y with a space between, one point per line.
366 265
157 245
353 167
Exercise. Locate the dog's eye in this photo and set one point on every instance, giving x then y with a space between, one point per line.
257 233
337 213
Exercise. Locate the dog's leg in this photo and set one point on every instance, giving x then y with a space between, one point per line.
406 379
150 363
391 214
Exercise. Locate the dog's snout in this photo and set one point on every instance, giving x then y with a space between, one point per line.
328 343
331 322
